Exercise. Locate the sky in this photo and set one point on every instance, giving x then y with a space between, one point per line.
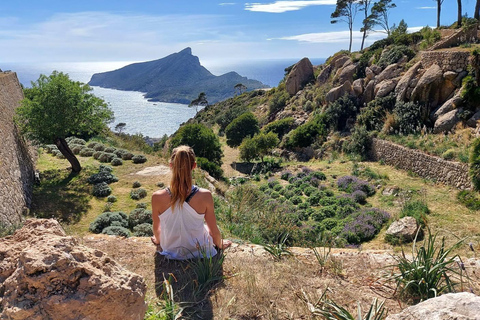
217 32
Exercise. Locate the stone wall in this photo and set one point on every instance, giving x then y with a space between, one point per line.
16 160
430 167
461 36
447 60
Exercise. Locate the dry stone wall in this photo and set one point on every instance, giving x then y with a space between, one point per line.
426 166
461 36
447 60
16 160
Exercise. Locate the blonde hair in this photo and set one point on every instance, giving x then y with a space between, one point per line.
182 162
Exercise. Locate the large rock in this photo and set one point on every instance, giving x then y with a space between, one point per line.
454 103
376 69
385 87
403 230
299 76
340 91
358 87
447 121
403 84
369 92
473 121
346 73
324 75
339 60
45 274
451 306
429 86
369 74
392 71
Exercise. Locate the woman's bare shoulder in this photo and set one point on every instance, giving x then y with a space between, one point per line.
160 194
204 193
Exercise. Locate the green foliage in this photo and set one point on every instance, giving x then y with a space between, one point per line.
339 111
112 199
470 92
373 115
474 162
203 140
394 54
359 143
106 157
212 168
417 209
278 101
469 199
117 231
408 117
127 156
101 190
308 133
279 249
86 152
116 162
240 128
143 230
429 271
208 270
136 184
258 146
430 36
57 107
139 216
102 176
137 194
139 158
107 219
6 230
280 127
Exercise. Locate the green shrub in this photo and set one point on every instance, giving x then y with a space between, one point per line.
112 199
417 209
408 117
278 101
240 128
394 54
76 149
50 147
139 159
78 141
116 162
136 184
110 150
86 152
308 133
143 230
101 190
449 154
137 194
469 199
280 127
212 168
127 156
102 176
92 144
139 216
142 205
340 111
97 154
296 200
360 143
120 152
470 92
117 231
314 198
99 147
106 157
106 219
105 168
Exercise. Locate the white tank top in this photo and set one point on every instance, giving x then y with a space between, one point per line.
184 235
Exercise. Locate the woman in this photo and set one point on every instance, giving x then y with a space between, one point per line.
179 212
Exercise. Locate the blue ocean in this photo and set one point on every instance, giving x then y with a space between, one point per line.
152 119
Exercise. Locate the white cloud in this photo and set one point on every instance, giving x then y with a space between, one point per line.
333 37
284 6
426 8
227 4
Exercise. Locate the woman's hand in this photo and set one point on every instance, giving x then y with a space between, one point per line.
156 243
226 243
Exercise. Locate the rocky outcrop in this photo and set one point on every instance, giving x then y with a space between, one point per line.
391 71
449 105
339 60
45 274
428 87
404 83
299 76
447 121
473 121
345 74
403 230
340 91
358 87
385 87
369 92
452 306
324 75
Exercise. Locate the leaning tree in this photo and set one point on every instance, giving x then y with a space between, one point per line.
56 107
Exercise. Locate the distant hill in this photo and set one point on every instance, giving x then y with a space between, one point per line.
178 77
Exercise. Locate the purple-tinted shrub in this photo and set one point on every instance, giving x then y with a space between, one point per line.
285 175
359 196
364 225
351 184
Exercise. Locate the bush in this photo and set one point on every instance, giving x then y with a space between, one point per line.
112 199
417 209
278 101
139 216
142 205
359 196
285 175
308 133
449 154
408 117
469 199
77 149
137 194
110 150
374 114
360 143
102 176
117 231
50 147
136 184
309 190
296 200
105 168
116 162
139 159
314 198
106 219
143 230
99 147
394 54
92 145
280 127
351 183
318 175
86 152
120 152
127 156
97 154
340 111
212 168
101 190
78 141
106 157
364 225
240 128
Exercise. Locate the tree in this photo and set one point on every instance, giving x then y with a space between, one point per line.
380 14
476 14
120 127
258 146
367 23
200 101
202 139
459 13
56 107
439 9
345 11
240 88
241 127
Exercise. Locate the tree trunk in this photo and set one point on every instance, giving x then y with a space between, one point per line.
69 155
459 13
476 14
439 9
350 46
363 38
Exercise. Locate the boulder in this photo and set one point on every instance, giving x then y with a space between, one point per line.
369 74
392 71
403 230
447 121
324 75
346 73
339 61
459 78
299 76
358 87
450 75
376 69
449 105
44 274
385 87
404 83
340 91
429 86
451 306
369 93
473 121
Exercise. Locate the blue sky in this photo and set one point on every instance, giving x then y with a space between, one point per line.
217 32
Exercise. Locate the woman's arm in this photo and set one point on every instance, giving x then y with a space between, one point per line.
158 206
211 221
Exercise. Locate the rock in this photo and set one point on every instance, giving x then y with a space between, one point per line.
299 76
429 86
451 306
391 191
369 74
403 84
369 93
449 105
385 87
392 71
339 61
446 91
324 75
346 73
45 274
358 87
376 69
447 121
473 121
403 230
450 75
459 78
340 91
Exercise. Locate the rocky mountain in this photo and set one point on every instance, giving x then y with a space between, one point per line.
178 77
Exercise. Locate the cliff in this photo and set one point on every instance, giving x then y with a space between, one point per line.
178 77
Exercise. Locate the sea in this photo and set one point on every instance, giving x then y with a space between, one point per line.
151 119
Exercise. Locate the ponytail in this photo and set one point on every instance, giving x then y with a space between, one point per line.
182 162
